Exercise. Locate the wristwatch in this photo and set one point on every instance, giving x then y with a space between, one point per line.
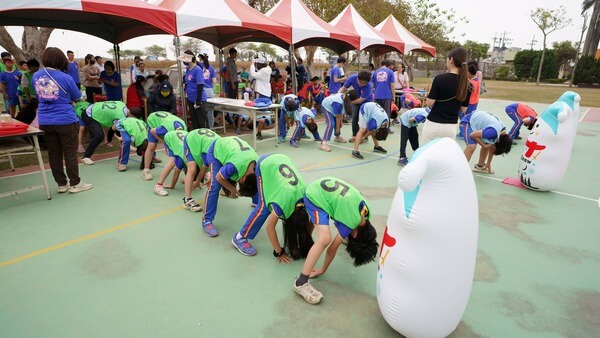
276 254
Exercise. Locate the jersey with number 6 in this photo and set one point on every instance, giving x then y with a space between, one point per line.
135 128
174 140
164 119
106 112
338 198
281 183
198 142
235 151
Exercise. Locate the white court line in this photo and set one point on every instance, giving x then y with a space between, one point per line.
582 116
35 172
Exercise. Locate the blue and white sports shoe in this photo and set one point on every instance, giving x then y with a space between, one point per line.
209 229
243 246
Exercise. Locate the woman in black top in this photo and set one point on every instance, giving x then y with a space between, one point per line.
448 95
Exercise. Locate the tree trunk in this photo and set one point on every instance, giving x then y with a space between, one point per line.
537 82
583 28
593 35
33 42
310 58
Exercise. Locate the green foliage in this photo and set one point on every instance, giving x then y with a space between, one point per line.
588 70
523 62
130 53
502 72
475 49
564 52
550 67
157 51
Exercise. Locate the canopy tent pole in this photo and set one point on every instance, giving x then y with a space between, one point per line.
176 42
293 70
117 57
220 72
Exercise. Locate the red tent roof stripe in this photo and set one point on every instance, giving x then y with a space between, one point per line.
392 27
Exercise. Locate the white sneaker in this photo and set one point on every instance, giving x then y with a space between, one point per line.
191 205
121 167
160 190
82 186
87 161
146 175
63 188
308 292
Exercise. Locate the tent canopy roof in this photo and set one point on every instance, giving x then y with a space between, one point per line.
393 28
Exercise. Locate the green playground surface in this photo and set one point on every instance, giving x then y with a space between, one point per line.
119 261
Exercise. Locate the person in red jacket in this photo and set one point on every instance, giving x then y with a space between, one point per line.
136 97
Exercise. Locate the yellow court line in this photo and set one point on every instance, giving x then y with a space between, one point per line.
320 164
86 237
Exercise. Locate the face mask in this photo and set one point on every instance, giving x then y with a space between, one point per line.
186 64
109 72
164 93
92 62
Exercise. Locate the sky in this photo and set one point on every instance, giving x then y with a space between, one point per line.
486 20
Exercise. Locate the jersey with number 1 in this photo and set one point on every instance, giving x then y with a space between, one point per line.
198 141
165 119
135 128
235 151
339 199
281 183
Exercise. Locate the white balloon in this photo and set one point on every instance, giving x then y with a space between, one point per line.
549 145
427 258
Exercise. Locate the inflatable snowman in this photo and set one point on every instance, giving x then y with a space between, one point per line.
427 259
549 145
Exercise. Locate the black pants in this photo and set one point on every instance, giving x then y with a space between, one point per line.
96 134
355 112
62 144
198 115
386 104
90 91
233 93
408 134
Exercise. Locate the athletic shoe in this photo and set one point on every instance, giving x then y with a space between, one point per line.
156 160
209 229
160 190
306 137
87 161
281 139
514 143
121 167
191 205
356 154
480 169
318 140
243 246
238 131
308 292
351 140
324 147
340 139
259 136
402 161
294 144
395 121
146 175
518 138
379 149
80 150
82 186
63 188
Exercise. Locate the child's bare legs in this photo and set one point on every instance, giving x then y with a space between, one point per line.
189 178
469 151
159 189
486 154
362 132
80 148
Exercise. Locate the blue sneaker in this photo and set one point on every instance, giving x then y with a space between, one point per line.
281 139
238 131
294 144
243 246
306 137
403 161
209 229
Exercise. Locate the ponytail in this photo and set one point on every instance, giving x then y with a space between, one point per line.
297 231
459 57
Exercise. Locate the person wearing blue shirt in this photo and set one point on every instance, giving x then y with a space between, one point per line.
372 121
334 107
210 78
489 132
361 83
305 119
73 68
384 87
194 89
112 82
337 77
10 80
289 105
56 91
408 130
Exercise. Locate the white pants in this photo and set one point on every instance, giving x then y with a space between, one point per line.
433 130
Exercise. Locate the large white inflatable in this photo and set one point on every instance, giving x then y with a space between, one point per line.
427 258
549 145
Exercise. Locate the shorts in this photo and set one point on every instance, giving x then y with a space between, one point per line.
179 162
160 131
267 119
316 214
362 123
13 101
81 124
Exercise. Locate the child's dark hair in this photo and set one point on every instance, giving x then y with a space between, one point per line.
142 148
109 64
311 126
363 248
347 104
162 77
249 187
472 69
364 76
503 145
297 231
352 95
382 133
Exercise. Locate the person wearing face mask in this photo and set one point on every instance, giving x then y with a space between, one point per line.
91 77
112 82
163 99
194 89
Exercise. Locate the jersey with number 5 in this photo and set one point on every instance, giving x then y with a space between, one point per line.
281 182
338 198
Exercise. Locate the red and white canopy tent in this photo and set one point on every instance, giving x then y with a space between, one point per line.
391 27
349 20
112 20
224 22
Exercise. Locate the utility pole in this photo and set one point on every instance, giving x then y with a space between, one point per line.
532 43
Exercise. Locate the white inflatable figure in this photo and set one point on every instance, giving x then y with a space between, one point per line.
427 259
549 145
